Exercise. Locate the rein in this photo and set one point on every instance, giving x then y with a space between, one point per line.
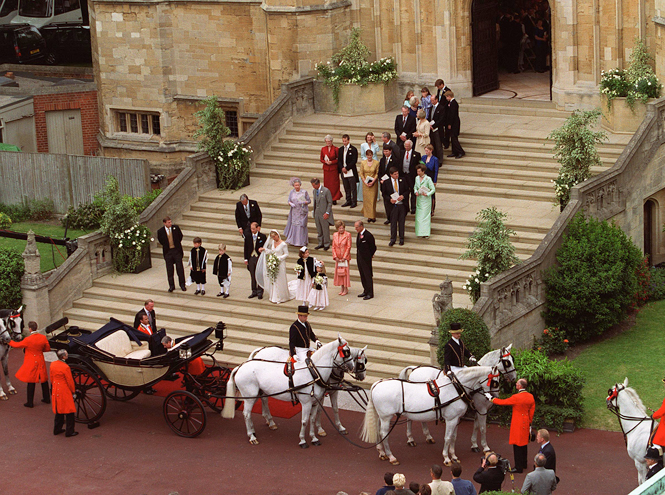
614 409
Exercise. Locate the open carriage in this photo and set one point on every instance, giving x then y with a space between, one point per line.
118 362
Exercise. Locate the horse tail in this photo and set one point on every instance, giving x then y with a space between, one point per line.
370 430
406 373
229 410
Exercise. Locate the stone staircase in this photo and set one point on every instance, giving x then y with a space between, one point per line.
508 164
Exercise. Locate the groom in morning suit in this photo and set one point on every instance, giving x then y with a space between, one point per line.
323 216
254 243
170 237
365 247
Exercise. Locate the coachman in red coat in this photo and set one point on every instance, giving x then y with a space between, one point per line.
34 367
63 395
524 406
659 436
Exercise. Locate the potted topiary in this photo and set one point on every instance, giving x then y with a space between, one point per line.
620 90
352 85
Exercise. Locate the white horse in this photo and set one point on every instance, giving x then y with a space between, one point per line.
11 328
635 422
255 379
501 358
358 360
414 400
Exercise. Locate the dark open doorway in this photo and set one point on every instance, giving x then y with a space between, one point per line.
649 210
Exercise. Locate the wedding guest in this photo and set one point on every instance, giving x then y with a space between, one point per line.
453 125
441 88
407 99
170 237
388 161
405 126
437 121
425 101
247 211
323 215
341 252
424 190
198 258
407 163
329 155
273 277
432 171
318 294
144 326
365 249
386 139
254 245
306 273
369 172
148 309
414 103
348 159
422 132
223 267
370 144
395 185
295 231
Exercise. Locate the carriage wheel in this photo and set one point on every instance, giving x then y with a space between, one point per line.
118 393
184 413
90 398
218 379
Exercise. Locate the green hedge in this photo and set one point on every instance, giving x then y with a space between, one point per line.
555 385
594 283
35 209
11 271
476 335
657 284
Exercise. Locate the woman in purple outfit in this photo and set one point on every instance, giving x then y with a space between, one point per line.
296 225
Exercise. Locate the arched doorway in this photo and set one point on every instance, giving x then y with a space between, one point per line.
649 214
511 42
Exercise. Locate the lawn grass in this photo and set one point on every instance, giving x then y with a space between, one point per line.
50 257
638 353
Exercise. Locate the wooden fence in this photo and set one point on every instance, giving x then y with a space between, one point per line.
67 179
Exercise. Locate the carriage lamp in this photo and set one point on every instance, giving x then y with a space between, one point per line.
220 330
185 352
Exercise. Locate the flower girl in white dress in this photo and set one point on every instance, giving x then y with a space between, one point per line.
305 271
318 295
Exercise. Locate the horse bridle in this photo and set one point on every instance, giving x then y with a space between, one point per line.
613 394
507 363
10 330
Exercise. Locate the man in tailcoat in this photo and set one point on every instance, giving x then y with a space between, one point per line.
33 369
408 161
323 215
455 353
64 390
247 211
524 406
437 134
301 336
453 126
170 237
405 126
147 309
441 89
398 213
388 161
347 162
253 247
365 249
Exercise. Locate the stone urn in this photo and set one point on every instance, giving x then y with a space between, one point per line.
354 99
620 118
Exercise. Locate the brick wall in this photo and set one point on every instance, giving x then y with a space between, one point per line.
85 101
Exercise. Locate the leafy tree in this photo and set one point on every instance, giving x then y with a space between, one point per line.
213 127
11 272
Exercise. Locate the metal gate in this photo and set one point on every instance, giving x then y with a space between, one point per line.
485 53
64 132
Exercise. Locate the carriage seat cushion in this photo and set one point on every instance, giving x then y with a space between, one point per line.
119 345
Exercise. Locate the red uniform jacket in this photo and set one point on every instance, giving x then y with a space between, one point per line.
659 437
34 366
523 408
63 388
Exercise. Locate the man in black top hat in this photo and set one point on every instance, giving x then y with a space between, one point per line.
455 353
654 460
301 336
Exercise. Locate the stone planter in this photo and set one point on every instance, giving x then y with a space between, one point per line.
357 100
146 263
620 118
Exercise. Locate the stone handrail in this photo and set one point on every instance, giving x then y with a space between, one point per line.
512 302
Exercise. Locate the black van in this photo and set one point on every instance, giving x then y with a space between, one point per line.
22 45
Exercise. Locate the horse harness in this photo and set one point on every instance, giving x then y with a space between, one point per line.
614 409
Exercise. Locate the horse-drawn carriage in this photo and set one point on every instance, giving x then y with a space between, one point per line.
118 362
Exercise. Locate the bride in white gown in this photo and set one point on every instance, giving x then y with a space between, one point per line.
278 291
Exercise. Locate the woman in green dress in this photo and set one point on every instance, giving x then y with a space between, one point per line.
423 189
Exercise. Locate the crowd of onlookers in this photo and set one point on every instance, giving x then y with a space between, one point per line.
524 36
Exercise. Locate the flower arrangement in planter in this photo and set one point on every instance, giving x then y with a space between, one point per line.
575 149
350 66
231 158
637 82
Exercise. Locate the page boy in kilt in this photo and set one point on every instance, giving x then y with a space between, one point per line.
223 269
198 258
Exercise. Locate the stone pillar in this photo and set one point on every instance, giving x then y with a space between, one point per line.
34 286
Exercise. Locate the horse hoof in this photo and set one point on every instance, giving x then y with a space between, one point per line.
447 463
4 397
344 431
12 391
272 426
394 462
430 441
411 443
455 459
322 433
317 443
383 457
475 449
304 446
487 449
254 441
